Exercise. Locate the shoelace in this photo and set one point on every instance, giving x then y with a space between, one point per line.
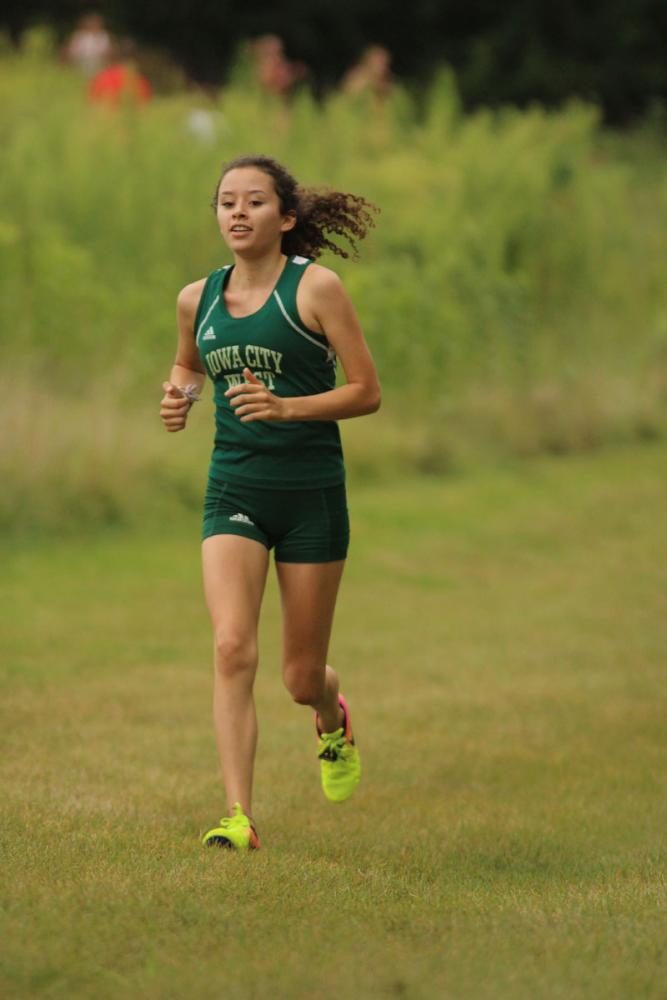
235 820
334 745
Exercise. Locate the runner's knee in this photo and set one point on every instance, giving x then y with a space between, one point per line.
234 654
305 682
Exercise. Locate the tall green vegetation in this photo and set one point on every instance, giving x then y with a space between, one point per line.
513 291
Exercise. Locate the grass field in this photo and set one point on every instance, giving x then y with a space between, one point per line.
502 642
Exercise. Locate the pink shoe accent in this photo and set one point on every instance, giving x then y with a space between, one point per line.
347 728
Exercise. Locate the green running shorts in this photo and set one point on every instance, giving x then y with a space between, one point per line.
304 525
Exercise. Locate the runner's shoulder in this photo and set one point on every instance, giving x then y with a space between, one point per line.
319 280
188 298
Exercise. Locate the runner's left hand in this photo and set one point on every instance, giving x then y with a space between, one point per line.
252 400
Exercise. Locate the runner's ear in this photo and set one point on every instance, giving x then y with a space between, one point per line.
289 221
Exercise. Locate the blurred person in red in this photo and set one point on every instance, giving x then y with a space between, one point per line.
121 82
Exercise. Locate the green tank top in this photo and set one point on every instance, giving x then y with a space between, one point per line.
292 361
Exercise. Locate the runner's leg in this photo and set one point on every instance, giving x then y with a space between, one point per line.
234 571
308 593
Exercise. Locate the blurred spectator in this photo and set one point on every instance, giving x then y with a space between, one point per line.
204 120
89 47
201 123
372 74
274 71
121 82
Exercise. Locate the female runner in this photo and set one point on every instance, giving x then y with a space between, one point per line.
267 329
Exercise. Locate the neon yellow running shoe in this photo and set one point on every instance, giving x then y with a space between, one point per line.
235 832
340 762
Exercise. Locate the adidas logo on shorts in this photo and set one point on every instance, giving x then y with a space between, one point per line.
243 518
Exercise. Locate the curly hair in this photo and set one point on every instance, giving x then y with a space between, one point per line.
319 211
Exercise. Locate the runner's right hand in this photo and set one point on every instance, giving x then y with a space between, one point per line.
174 408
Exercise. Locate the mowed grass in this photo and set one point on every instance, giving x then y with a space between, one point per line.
502 641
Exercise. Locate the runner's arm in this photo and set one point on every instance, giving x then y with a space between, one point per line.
187 375
325 307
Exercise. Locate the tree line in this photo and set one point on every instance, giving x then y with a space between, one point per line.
610 52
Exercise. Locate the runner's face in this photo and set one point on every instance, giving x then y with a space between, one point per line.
249 214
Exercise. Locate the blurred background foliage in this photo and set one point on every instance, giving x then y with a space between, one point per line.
513 291
609 52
